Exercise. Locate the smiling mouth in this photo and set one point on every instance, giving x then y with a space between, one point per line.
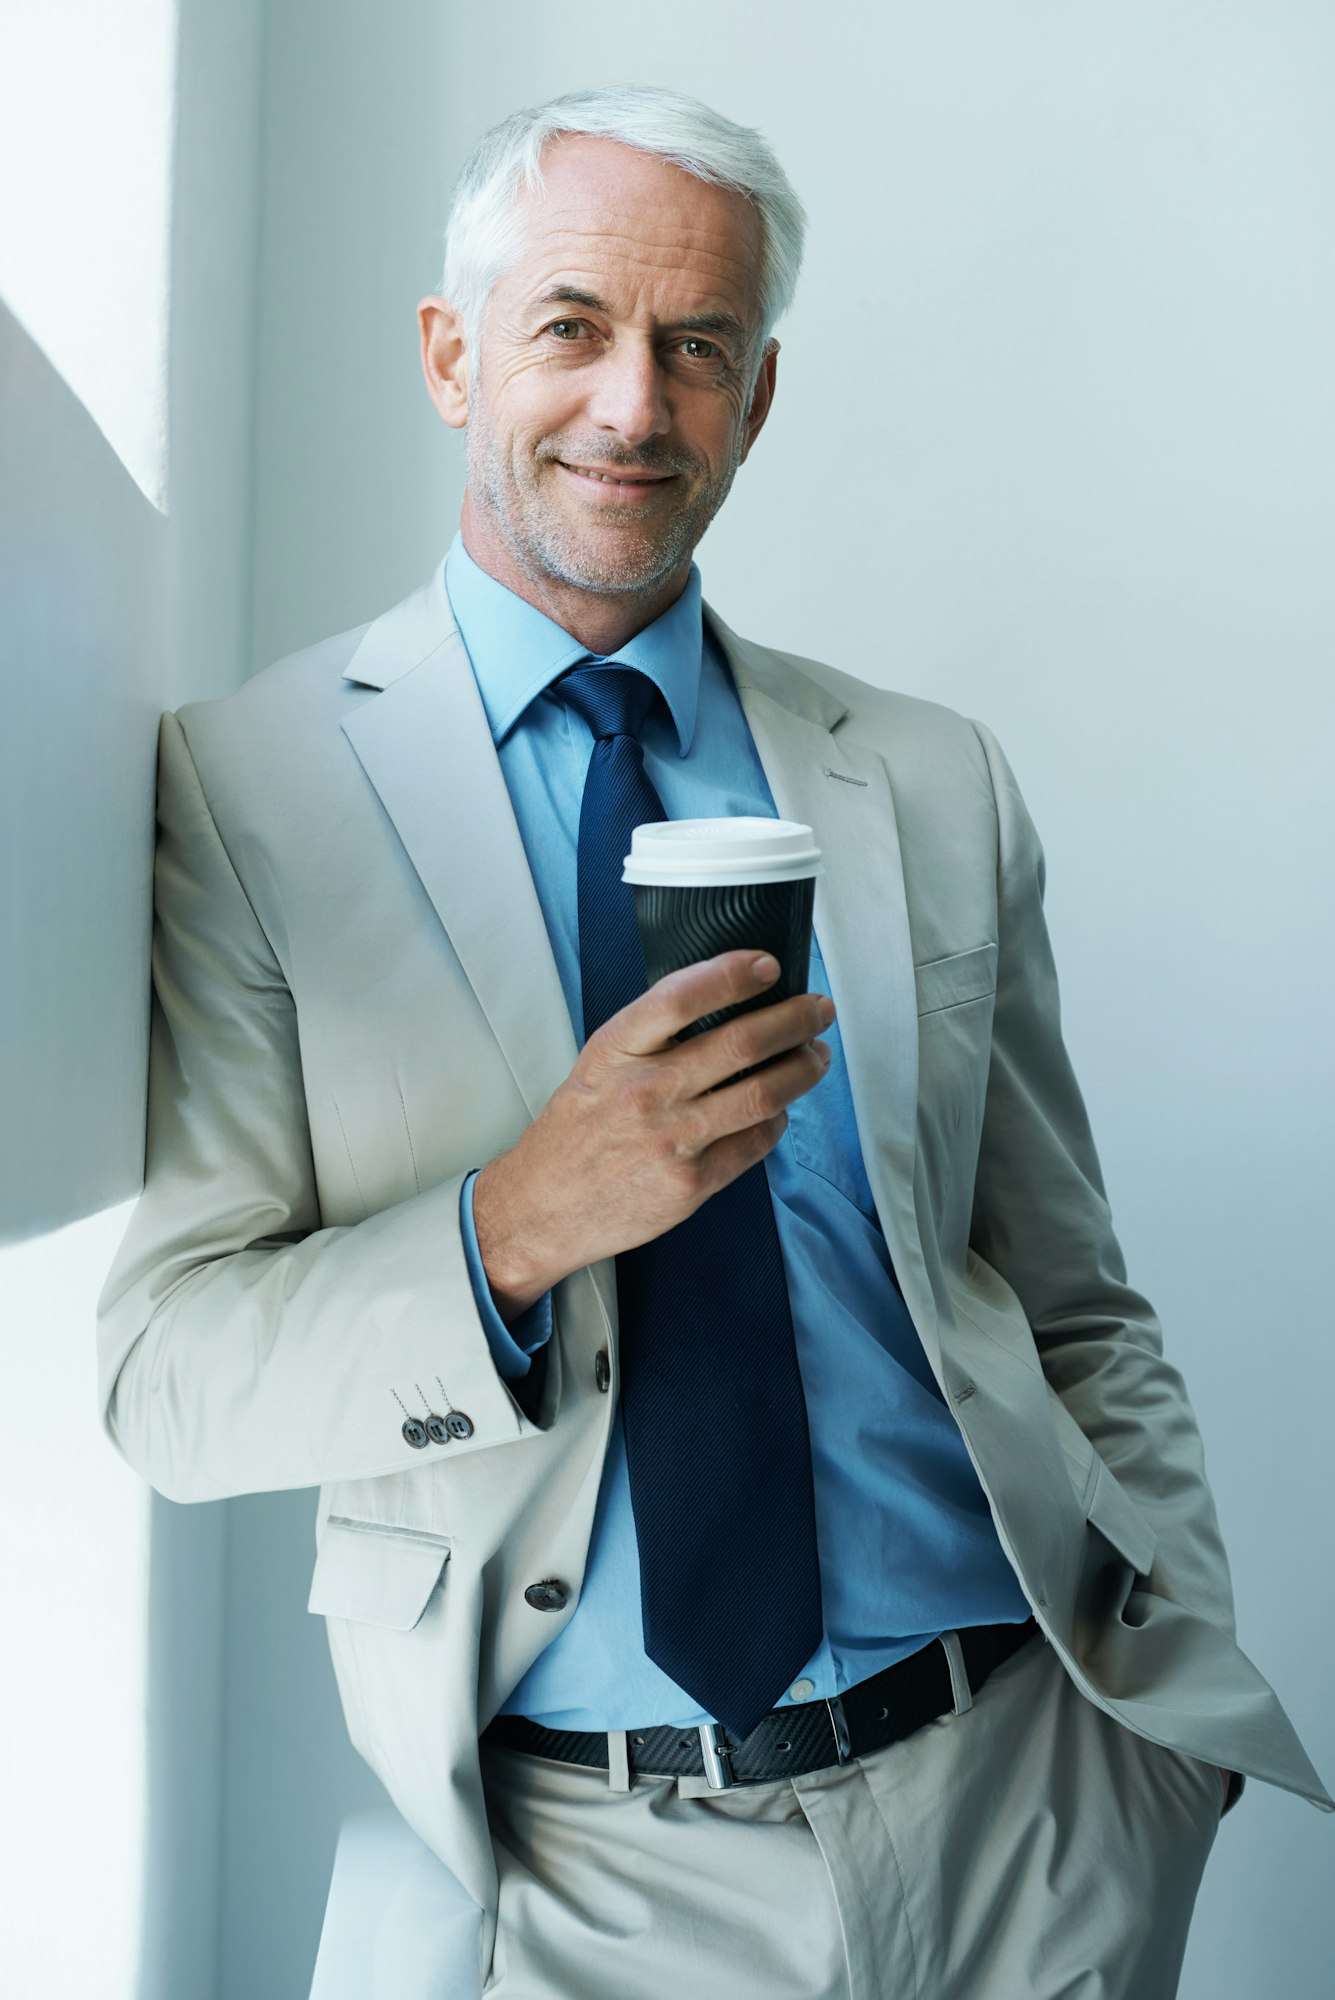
613 477
614 493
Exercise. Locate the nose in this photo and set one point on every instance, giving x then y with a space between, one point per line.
629 393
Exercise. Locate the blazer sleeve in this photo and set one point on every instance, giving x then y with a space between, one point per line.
241 1346
1041 1219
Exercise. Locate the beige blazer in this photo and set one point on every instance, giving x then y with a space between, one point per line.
355 1003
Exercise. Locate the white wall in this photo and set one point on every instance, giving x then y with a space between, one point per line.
127 151
1052 444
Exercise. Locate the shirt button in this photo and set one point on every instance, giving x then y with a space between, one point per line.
802 1690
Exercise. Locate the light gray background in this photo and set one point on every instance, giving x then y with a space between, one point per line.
1052 443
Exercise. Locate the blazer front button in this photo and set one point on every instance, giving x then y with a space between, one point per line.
414 1430
602 1368
549 1595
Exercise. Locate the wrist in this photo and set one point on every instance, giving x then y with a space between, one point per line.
515 1276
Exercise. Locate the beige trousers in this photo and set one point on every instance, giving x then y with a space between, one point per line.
1029 1848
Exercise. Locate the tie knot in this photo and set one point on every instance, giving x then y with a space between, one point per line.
613 699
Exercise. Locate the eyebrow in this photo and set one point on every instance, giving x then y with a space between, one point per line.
707 322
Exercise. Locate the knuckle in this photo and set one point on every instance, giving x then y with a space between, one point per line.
759 1098
668 1141
734 1042
692 1133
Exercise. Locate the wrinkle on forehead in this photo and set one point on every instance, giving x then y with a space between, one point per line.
619 208
636 247
637 288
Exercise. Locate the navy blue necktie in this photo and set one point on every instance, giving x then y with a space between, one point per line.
712 1404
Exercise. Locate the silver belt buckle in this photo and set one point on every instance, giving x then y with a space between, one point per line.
961 1693
717 1756
840 1726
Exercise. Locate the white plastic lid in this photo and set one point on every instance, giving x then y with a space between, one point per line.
698 853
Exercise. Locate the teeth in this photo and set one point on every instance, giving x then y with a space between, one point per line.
608 480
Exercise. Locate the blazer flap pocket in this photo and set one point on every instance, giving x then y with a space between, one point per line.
375 1574
965 975
1117 1516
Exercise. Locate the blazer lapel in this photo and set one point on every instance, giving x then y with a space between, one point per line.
838 785
425 745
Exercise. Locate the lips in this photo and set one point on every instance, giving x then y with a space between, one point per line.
613 494
613 477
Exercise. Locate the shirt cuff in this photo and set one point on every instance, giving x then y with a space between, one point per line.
511 1346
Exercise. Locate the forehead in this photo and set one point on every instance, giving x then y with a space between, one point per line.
633 220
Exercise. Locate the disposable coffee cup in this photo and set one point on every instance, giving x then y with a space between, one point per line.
703 886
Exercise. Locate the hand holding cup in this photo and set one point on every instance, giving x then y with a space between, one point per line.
650 1122
686 1087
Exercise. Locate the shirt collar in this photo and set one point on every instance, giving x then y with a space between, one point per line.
516 650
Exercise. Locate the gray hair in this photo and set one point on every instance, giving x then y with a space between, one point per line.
484 230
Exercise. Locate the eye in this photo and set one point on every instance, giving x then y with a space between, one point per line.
692 339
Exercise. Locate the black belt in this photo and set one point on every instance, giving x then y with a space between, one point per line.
805 1736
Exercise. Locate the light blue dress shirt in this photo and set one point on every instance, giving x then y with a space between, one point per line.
908 1548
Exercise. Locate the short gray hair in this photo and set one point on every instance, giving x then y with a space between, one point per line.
483 231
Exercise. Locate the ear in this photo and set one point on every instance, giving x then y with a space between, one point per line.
444 359
762 396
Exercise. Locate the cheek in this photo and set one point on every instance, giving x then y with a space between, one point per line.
540 419
526 406
718 431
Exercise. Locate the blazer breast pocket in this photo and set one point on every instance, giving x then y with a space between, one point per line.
376 1574
956 979
822 1123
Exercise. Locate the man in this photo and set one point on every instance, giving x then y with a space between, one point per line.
933 1685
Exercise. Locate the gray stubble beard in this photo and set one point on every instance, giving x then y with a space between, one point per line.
540 541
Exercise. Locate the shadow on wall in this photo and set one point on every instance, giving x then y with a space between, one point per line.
82 585
83 595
